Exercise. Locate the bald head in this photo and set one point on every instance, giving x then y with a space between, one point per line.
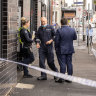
43 21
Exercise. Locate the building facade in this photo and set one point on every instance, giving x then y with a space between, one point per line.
8 44
57 4
11 12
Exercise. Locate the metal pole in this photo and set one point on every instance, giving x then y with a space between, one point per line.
49 12
77 27
84 3
88 31
78 31
54 11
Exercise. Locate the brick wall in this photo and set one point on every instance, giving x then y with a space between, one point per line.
8 71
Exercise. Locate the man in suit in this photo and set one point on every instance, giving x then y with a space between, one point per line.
64 48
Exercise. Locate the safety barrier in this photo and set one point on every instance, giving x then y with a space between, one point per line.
79 80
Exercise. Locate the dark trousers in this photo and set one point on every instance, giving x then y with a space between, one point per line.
19 59
65 61
90 40
28 58
43 55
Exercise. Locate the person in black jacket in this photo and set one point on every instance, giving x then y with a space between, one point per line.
26 39
44 39
64 48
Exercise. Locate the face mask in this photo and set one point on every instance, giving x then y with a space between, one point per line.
44 25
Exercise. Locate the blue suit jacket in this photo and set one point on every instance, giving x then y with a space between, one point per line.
64 40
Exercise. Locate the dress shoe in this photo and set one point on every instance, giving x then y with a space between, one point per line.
60 80
56 78
27 76
68 81
42 78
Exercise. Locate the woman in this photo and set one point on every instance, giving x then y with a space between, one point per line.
89 33
26 39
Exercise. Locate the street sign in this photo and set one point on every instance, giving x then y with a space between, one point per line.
79 11
56 3
84 12
78 2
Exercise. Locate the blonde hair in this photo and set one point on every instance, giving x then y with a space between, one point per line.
24 20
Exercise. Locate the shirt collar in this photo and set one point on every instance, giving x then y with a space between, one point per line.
64 25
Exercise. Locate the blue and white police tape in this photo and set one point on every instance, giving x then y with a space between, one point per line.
94 51
79 80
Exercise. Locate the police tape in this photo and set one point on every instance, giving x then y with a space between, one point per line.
75 79
94 51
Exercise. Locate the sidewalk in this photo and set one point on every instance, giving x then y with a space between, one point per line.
84 66
94 46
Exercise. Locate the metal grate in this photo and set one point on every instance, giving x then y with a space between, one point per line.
34 9
21 5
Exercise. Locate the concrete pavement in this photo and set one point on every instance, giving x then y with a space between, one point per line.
84 66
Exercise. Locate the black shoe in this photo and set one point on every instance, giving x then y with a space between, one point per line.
42 78
60 80
68 81
56 78
27 76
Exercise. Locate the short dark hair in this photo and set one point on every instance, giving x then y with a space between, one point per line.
63 21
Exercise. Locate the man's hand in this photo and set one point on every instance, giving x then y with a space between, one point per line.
38 45
49 42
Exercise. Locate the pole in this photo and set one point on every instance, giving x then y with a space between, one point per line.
54 11
49 12
88 31
84 3
78 31
77 27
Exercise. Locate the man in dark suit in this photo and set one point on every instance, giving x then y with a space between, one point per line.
64 48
